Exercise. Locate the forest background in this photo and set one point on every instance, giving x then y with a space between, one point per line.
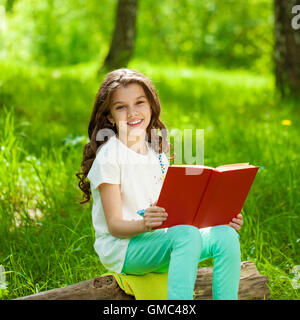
217 65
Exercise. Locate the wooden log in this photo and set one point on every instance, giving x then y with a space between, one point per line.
252 283
252 286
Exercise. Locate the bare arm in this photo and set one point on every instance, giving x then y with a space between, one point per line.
119 228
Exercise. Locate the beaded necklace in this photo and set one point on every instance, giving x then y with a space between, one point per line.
162 166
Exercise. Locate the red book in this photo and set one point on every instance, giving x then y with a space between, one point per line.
203 196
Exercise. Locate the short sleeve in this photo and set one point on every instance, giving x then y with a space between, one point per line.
105 169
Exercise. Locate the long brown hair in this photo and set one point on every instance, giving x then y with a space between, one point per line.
114 80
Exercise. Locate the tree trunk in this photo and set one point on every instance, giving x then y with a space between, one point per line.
252 286
122 44
9 5
287 47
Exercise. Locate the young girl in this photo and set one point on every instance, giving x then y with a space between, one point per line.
125 162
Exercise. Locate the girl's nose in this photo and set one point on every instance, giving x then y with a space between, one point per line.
131 112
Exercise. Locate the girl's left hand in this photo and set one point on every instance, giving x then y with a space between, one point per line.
237 222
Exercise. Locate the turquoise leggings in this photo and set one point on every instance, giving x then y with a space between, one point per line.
179 249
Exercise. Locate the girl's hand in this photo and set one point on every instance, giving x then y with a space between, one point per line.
154 217
237 222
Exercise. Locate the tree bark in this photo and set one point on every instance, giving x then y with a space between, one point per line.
123 40
252 286
287 48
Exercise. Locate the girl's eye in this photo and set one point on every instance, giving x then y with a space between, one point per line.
121 107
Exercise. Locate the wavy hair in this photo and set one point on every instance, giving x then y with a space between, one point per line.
99 120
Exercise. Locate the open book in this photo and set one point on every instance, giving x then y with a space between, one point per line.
203 196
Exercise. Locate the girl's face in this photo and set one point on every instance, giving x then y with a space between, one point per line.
130 111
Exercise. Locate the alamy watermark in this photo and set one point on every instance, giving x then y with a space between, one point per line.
296 19
296 277
2 278
2 19
188 144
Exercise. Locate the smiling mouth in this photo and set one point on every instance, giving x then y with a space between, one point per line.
135 123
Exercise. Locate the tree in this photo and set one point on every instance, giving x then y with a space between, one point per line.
123 40
9 5
287 47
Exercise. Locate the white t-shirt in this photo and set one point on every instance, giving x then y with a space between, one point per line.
140 177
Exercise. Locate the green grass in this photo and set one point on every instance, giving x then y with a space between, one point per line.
47 236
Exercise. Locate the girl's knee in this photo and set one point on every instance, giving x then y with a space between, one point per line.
186 231
226 238
186 234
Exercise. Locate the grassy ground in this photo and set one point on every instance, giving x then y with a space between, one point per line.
47 236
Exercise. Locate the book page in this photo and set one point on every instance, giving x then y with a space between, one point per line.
191 166
193 169
221 168
234 166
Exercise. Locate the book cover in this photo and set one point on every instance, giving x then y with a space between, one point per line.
204 196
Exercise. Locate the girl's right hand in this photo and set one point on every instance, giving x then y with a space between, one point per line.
154 217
